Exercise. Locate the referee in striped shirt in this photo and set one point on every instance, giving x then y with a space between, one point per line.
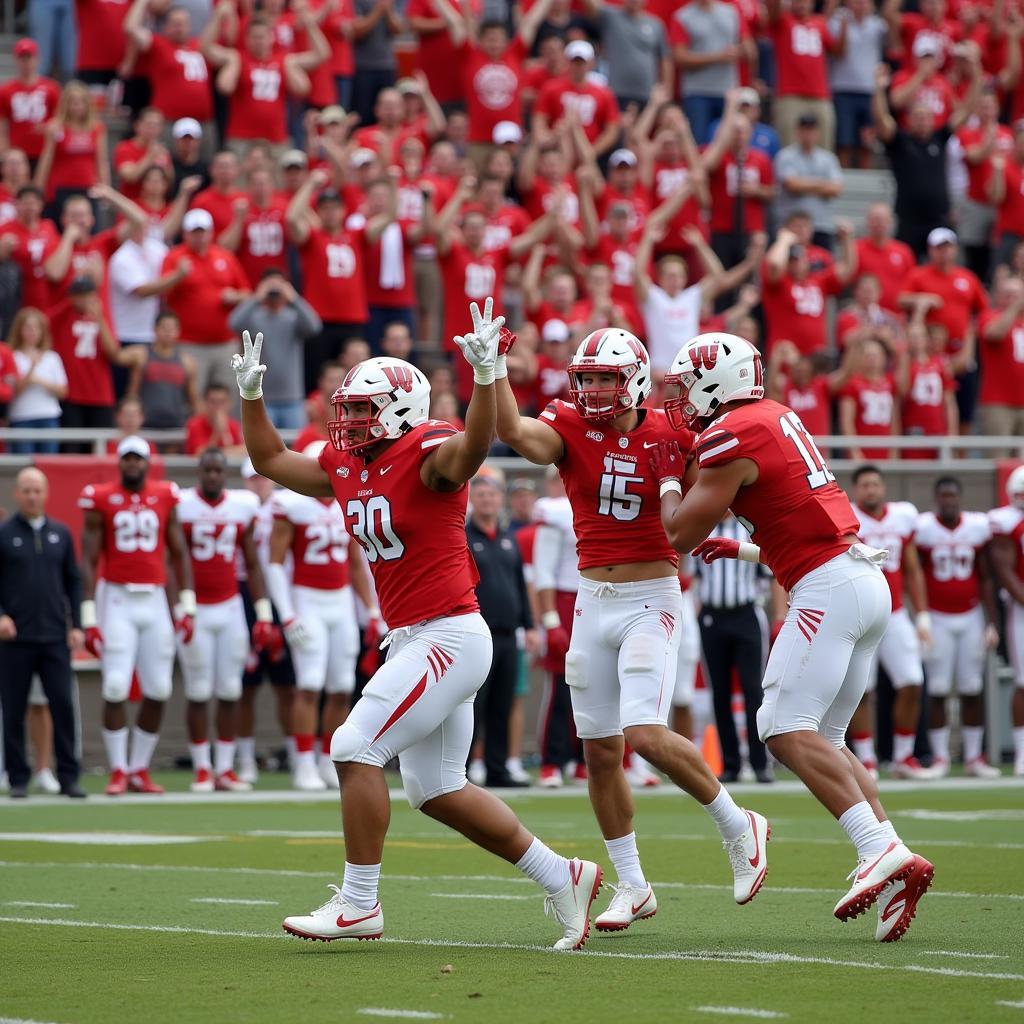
733 633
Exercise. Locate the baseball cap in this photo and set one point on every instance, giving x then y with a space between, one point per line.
748 97
363 156
579 49
408 86
522 483
555 330
622 157
506 131
334 114
249 470
26 48
941 236
133 445
186 126
807 120
197 220
925 45
81 286
293 158
489 475
329 195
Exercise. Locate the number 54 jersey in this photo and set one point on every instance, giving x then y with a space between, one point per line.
616 507
795 510
414 538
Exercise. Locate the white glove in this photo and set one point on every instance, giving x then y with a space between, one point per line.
481 347
296 633
248 369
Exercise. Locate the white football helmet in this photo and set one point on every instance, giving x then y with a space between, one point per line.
398 396
709 371
610 350
1015 487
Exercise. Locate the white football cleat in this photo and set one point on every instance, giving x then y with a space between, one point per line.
641 777
748 855
571 905
325 766
203 782
630 903
248 771
550 777
307 778
46 782
897 902
979 768
1018 768
911 768
229 782
939 768
871 876
337 919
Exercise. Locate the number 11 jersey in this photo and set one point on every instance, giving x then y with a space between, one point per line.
616 507
795 510
414 538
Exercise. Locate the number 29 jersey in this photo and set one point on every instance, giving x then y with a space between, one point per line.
616 505
319 542
414 538
795 510
213 533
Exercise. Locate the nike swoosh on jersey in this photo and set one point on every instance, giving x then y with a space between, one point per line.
386 469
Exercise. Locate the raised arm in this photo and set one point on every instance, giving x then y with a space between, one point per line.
885 124
444 223
135 28
777 257
296 217
642 263
966 107
454 22
531 21
223 15
319 49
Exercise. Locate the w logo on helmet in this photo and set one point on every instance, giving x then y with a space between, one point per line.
399 377
637 349
705 356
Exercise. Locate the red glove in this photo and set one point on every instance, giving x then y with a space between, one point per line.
717 547
267 636
557 642
506 339
185 627
372 636
94 641
667 462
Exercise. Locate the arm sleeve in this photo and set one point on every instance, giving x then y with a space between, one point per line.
547 550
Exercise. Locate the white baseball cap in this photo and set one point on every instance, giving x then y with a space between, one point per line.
579 49
362 156
197 220
941 236
187 126
506 131
133 445
622 156
925 45
555 330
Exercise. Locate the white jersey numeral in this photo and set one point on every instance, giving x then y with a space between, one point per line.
371 526
614 497
137 530
325 542
818 473
208 544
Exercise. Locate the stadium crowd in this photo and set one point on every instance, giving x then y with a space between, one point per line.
346 176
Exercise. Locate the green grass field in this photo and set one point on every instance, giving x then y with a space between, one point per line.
157 912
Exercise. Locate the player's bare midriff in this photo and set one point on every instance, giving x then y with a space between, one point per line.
630 572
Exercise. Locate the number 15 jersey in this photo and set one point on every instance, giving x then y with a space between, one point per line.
414 538
616 507
795 510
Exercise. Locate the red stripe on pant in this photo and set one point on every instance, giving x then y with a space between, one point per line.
410 698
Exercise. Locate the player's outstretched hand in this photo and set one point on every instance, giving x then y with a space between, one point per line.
717 547
266 636
248 368
667 462
480 348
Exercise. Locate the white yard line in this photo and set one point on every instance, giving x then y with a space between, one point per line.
740 1011
965 956
706 955
380 1011
240 903
1019 1005
34 903
478 896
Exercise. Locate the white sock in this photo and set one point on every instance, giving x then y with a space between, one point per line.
902 746
890 832
939 740
514 765
200 755
225 756
116 743
246 749
973 735
626 858
289 746
864 748
732 822
303 758
866 832
359 886
1018 745
143 745
548 869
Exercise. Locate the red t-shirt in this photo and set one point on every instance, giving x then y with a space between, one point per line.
199 434
639 200
724 185
537 199
27 108
666 181
468 278
76 339
492 88
220 206
257 106
795 310
551 382
978 174
510 221
104 245
197 299
963 297
934 92
34 247
342 60
924 405
876 402
333 275
945 34
437 57
800 46
101 38
1002 363
263 243
74 159
620 257
812 404
890 263
594 105
379 291
180 80
130 152
1010 216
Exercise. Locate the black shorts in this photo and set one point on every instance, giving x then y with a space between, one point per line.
260 667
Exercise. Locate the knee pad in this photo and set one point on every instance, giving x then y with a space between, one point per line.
576 669
418 794
157 689
229 689
764 721
198 687
637 656
347 743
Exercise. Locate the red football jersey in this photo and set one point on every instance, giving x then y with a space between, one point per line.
467 278
795 510
724 186
214 537
1002 363
924 407
616 505
26 109
320 542
180 79
950 562
76 339
876 402
1008 521
257 106
262 245
962 294
414 538
800 45
795 310
134 529
332 271
34 247
813 404
593 104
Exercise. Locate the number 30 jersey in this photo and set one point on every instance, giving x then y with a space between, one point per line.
795 510
213 534
616 507
134 529
949 559
414 538
320 540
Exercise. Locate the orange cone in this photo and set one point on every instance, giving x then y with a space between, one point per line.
712 750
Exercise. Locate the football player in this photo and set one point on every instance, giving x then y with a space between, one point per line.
889 526
132 525
962 603
755 458
400 480
218 524
621 661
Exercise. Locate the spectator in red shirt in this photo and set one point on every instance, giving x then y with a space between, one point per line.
28 240
101 43
1005 190
134 156
930 21
256 231
214 427
220 199
213 284
865 318
923 83
799 382
74 156
27 102
1002 361
868 406
802 43
880 254
437 56
927 392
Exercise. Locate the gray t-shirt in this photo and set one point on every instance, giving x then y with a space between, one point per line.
709 30
865 44
633 47
375 51
818 163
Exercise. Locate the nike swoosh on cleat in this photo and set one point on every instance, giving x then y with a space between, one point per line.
342 923
637 909
861 875
576 871
893 909
755 860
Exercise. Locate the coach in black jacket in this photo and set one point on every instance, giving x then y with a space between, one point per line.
40 593
505 608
